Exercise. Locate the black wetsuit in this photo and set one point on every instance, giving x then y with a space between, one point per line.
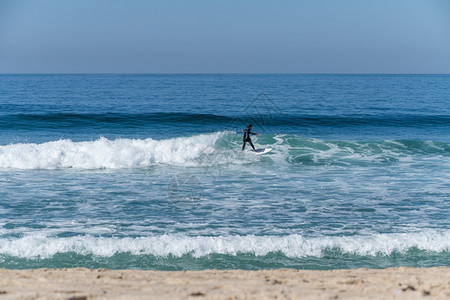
247 133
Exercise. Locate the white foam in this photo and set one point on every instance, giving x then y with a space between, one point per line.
114 154
34 246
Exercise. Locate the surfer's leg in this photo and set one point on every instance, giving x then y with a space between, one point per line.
243 146
251 144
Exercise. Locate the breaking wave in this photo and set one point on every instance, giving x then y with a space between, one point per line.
295 246
213 149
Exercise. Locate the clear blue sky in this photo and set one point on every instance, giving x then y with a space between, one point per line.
228 36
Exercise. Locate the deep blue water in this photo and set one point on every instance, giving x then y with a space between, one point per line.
146 171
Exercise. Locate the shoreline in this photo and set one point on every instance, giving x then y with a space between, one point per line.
82 283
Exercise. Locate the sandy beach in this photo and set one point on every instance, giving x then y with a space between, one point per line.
80 283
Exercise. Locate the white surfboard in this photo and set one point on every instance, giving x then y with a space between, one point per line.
261 151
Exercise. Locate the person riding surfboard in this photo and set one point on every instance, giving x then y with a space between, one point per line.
247 139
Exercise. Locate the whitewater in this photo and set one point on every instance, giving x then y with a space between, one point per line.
217 149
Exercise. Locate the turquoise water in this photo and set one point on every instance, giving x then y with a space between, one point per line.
146 171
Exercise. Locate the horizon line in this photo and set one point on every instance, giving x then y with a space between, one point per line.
217 73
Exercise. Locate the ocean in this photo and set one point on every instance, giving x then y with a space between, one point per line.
147 172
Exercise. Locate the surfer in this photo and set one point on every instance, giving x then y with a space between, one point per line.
247 133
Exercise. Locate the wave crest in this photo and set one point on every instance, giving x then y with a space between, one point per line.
108 154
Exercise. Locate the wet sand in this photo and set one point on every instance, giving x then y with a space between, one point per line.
80 283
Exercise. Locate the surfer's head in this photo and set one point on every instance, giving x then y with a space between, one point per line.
249 126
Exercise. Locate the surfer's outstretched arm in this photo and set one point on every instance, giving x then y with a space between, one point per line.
252 133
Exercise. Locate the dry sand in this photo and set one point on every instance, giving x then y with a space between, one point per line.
392 283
